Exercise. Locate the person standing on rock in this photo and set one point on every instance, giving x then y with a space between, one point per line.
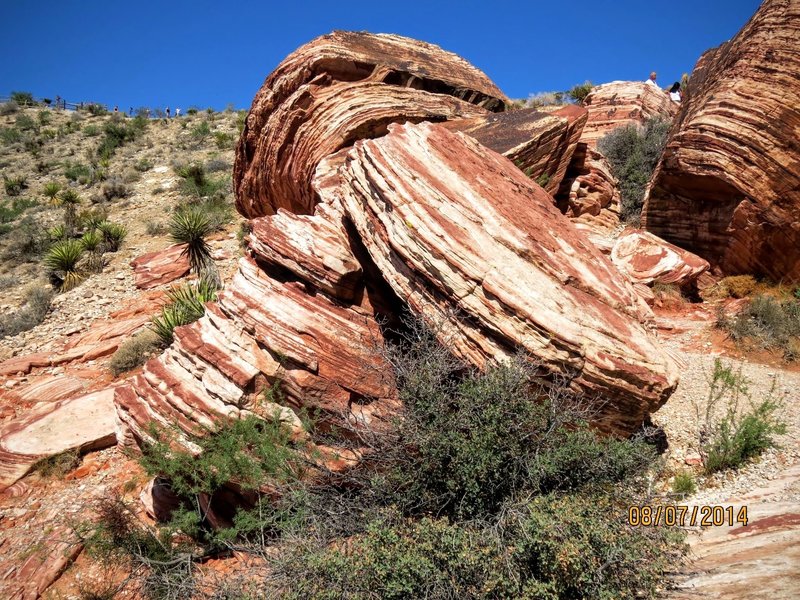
675 92
177 112
167 112
652 80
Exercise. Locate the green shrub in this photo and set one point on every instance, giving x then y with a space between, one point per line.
10 135
9 211
683 484
91 131
62 260
143 164
25 122
95 109
134 352
44 117
115 188
92 218
580 91
192 111
15 184
116 133
22 98
8 108
32 312
633 153
77 171
223 140
113 235
186 305
58 465
201 131
51 189
767 323
27 241
734 428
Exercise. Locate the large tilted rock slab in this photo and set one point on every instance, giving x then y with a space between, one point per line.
83 423
338 89
648 259
621 103
728 184
262 332
541 144
464 231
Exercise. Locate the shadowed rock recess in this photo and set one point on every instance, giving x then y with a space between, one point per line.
343 228
728 184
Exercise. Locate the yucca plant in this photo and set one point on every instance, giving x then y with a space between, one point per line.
186 306
69 199
92 242
62 260
190 226
51 189
91 219
113 235
59 232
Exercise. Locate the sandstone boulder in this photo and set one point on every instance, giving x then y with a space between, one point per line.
83 423
335 90
541 144
620 103
160 267
589 189
728 184
464 232
648 259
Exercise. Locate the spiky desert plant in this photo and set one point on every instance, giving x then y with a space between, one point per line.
186 306
69 199
113 235
92 242
51 189
190 226
62 260
59 232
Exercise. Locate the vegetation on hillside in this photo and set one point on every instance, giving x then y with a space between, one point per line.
633 152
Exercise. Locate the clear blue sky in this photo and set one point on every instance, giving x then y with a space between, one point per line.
143 53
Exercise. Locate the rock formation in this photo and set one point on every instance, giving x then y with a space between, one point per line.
589 193
728 184
620 103
648 259
470 242
541 144
335 90
163 266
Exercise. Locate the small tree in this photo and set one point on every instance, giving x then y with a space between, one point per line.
580 91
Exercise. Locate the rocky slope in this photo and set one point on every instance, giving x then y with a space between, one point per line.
728 184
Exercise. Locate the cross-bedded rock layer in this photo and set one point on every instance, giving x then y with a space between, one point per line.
467 240
335 90
728 184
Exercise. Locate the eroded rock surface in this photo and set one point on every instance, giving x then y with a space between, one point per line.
648 259
589 192
163 266
541 144
728 184
464 231
620 103
335 90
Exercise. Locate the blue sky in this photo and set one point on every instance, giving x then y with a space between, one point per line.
144 53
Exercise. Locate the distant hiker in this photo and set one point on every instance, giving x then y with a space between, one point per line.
58 101
177 112
116 109
168 112
675 92
130 111
652 80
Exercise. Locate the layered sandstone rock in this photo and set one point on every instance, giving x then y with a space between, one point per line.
541 144
728 184
589 191
82 424
335 90
648 259
163 266
465 233
620 103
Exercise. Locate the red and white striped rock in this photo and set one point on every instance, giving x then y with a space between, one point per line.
620 103
320 353
314 248
335 90
728 183
464 231
160 267
589 190
648 259
540 144
83 423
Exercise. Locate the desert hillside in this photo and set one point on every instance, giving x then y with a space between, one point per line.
391 334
